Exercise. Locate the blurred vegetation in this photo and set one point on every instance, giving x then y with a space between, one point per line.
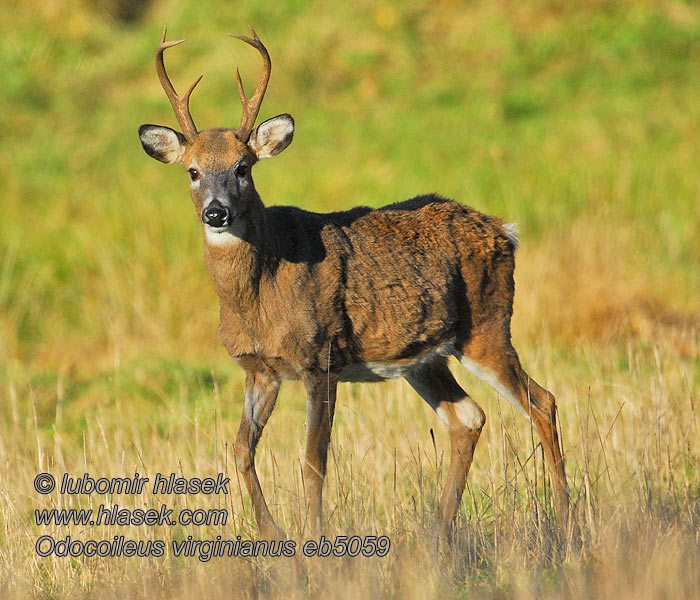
558 117
575 122
578 120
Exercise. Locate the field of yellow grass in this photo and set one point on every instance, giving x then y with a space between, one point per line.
577 120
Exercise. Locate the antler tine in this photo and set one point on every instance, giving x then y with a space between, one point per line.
251 106
181 106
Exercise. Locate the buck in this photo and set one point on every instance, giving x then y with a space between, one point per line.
362 295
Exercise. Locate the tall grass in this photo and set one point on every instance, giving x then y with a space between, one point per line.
577 121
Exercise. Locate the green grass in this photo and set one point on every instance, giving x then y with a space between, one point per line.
578 121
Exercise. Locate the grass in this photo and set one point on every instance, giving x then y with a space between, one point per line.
578 121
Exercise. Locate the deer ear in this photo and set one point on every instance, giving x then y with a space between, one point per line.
272 136
162 143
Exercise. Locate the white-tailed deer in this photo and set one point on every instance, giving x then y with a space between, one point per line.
361 295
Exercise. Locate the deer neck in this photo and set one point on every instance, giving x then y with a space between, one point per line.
239 258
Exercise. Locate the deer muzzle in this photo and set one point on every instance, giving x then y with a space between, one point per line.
216 215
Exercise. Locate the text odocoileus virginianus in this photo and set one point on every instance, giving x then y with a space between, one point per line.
361 295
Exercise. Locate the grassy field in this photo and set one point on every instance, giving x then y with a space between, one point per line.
579 120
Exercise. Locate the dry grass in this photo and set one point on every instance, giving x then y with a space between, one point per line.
631 448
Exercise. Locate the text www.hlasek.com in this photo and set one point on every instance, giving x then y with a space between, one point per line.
204 550
125 517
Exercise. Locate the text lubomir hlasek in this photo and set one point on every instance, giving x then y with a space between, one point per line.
170 484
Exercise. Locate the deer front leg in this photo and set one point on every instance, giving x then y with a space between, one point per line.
320 407
260 397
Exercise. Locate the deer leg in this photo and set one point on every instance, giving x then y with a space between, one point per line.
540 405
464 418
260 396
320 408
504 373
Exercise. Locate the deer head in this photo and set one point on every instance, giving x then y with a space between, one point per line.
218 161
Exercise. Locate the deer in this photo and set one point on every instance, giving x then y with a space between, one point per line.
362 295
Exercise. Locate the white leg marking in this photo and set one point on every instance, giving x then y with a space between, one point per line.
469 414
252 407
488 376
466 409
441 413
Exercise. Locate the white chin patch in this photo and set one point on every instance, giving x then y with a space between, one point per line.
221 236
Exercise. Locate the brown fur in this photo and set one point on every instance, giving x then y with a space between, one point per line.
306 291
358 295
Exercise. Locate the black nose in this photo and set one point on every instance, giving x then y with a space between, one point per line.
216 214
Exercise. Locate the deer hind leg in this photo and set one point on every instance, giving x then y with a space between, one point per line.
502 371
320 408
260 396
464 418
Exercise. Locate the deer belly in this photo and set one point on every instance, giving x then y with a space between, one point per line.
391 369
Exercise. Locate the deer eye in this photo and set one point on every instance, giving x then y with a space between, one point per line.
241 171
194 174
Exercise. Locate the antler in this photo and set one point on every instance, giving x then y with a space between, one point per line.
251 106
181 106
